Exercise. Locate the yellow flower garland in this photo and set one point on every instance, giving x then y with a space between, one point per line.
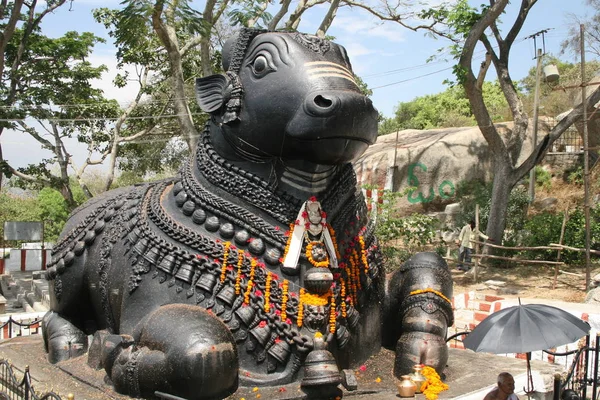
334 241
343 297
332 316
433 385
250 281
429 290
289 242
284 299
226 247
268 291
300 309
314 299
238 276
363 254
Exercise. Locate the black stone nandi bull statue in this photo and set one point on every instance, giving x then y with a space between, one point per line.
256 265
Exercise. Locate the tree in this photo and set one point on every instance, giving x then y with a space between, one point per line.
56 101
17 208
592 32
449 108
25 17
469 27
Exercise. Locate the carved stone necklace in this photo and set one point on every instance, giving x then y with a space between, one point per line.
258 192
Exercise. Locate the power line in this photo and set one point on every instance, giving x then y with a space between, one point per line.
411 79
99 119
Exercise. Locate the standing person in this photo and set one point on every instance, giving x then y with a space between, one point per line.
505 389
466 241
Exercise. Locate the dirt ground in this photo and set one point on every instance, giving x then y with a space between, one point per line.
527 282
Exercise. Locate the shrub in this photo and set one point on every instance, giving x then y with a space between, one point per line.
544 228
478 192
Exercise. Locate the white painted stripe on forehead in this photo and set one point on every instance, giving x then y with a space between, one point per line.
330 70
331 75
327 64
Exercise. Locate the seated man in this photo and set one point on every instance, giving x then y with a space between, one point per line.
505 389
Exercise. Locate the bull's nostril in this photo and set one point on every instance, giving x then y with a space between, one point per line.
323 102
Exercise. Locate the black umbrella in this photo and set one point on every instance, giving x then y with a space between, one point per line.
526 328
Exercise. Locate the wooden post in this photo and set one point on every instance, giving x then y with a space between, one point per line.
23 259
476 263
560 242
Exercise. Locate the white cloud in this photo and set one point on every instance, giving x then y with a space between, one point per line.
360 26
122 95
357 49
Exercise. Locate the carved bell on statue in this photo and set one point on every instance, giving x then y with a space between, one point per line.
321 373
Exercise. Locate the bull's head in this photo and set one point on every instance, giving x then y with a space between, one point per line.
289 96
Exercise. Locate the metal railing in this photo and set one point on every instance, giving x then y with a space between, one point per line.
13 327
13 389
583 372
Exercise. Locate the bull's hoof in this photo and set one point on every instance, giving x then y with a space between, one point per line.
62 339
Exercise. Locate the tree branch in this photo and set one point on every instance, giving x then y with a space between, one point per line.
24 176
285 6
328 18
32 132
296 16
474 94
516 28
392 16
548 140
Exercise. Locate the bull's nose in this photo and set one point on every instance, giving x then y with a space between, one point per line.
322 105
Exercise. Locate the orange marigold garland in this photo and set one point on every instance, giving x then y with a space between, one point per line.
332 312
250 281
284 298
300 309
430 290
238 276
268 291
343 297
334 241
363 254
226 247
433 385
289 242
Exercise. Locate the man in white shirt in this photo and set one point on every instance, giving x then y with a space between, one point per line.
466 240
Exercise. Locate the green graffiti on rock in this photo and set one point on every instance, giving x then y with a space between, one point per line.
446 189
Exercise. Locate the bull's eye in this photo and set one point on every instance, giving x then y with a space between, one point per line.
262 65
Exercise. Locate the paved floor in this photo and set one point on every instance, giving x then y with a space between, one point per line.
467 373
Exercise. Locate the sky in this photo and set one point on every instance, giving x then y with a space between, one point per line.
392 60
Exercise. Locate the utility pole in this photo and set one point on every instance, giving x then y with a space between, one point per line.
586 162
536 104
536 110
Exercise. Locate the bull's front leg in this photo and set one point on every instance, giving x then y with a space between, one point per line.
178 349
418 313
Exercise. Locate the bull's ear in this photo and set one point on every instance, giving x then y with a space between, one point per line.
211 92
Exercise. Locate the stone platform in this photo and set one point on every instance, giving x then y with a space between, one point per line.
470 375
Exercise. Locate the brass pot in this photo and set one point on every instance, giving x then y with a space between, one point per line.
406 387
417 377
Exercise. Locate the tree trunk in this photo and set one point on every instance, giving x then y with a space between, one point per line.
503 184
168 37
112 163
